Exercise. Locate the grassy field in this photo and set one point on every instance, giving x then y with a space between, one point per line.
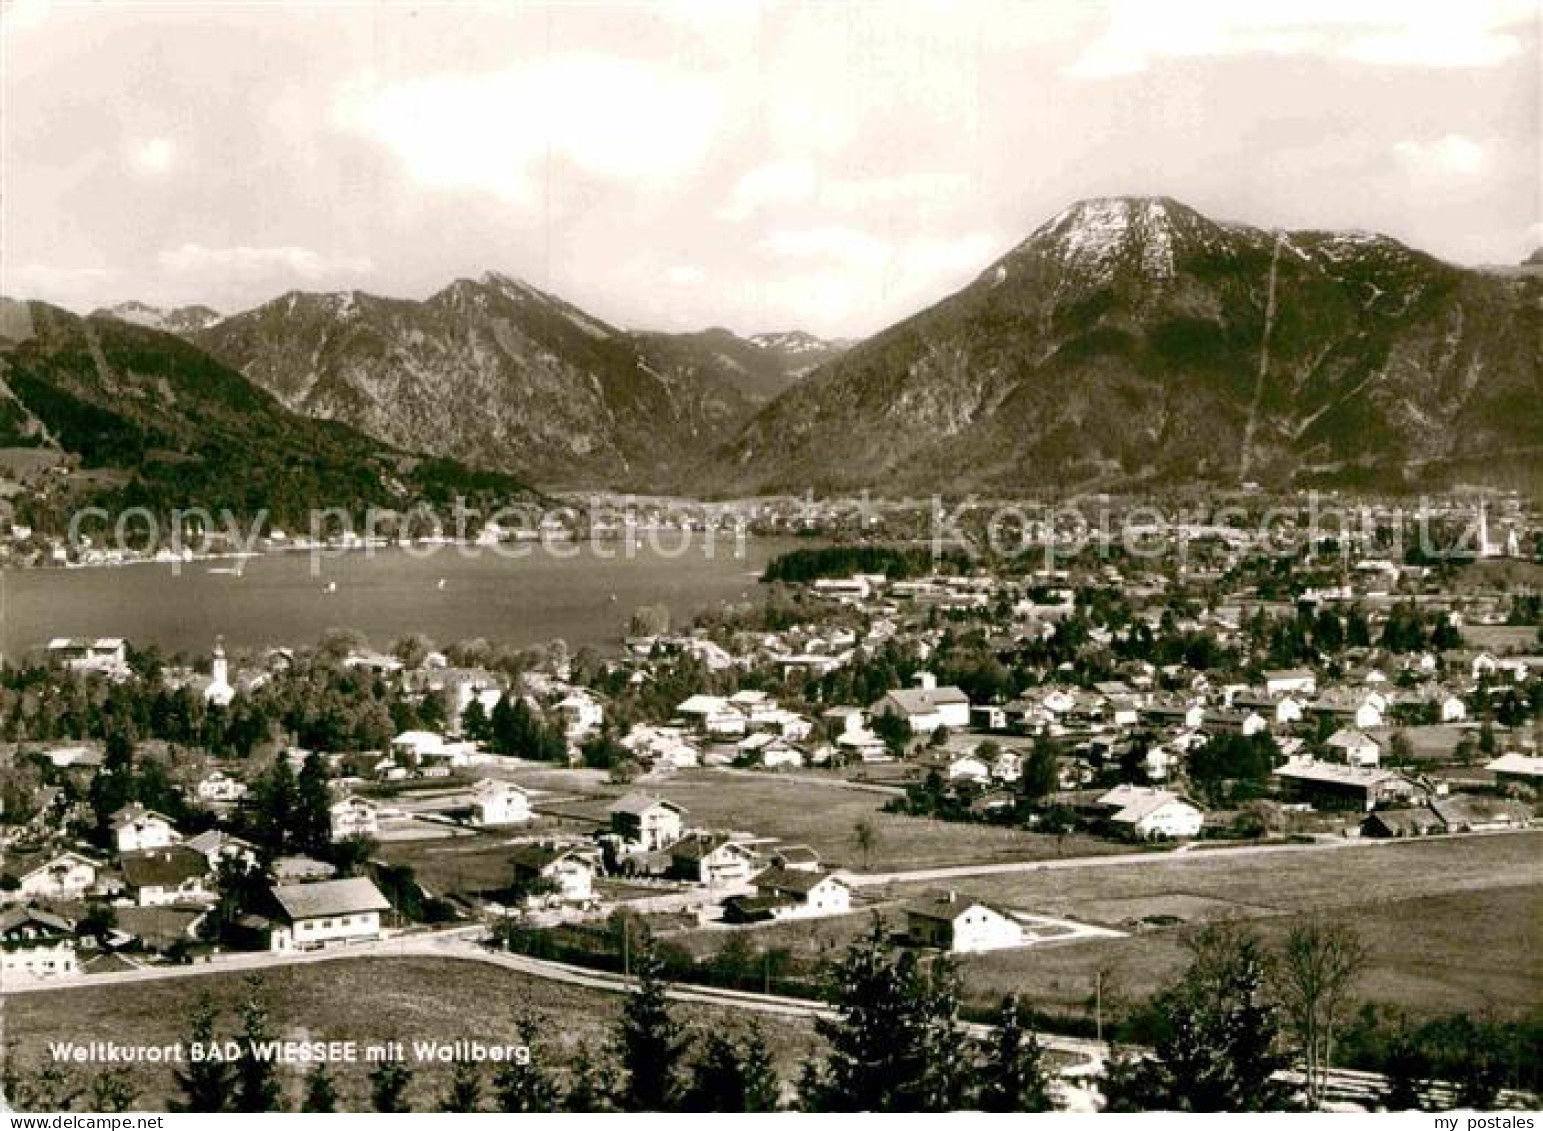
1453 924
1465 951
1259 883
823 816
370 1000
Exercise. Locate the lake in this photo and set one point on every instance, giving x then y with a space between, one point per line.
451 594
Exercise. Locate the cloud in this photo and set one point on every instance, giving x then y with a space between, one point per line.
830 275
1377 32
19 15
252 263
72 287
1453 156
611 117
684 275
153 155
796 182
834 244
784 182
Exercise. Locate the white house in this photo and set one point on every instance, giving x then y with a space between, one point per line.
569 869
863 745
1354 748
791 893
926 707
960 925
715 859
219 788
36 945
581 715
105 654
1517 769
64 875
1290 681
156 877
136 828
327 913
499 803
1143 812
650 822
354 816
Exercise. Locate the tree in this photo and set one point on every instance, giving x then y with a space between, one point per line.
865 837
54 1087
388 1086
475 722
650 1043
312 820
893 731
321 1092
112 1090
1219 1050
1314 975
649 620
204 1083
524 1085
465 1092
587 1088
732 1075
413 650
1407 1072
1041 773
1013 1077
894 1042
275 799
257 1081
1400 748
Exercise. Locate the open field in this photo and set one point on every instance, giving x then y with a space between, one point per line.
370 1000
823 816
1453 924
1466 951
1365 873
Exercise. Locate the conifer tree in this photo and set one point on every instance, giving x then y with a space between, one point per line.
527 1087
651 1044
1013 1076
203 1082
321 1091
389 1081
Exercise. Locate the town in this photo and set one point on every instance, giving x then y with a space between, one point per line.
1052 774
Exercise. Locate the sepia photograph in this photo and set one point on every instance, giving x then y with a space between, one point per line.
772 556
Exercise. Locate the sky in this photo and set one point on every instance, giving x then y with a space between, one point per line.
832 167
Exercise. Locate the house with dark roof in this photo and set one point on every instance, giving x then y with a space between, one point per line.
36 944
961 925
135 828
787 893
567 870
327 913
56 875
926 707
159 876
715 859
649 822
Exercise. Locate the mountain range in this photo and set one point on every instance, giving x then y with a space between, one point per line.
1127 343
498 373
135 416
1134 343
